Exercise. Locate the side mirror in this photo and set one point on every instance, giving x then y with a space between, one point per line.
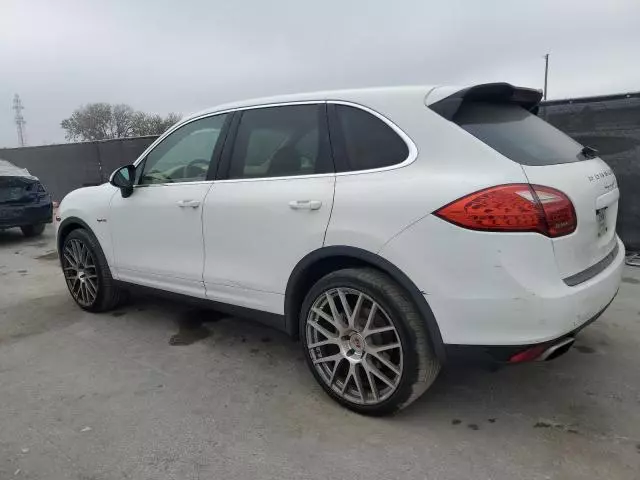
123 178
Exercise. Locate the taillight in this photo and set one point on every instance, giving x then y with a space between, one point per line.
513 208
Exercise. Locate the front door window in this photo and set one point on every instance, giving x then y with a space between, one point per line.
185 155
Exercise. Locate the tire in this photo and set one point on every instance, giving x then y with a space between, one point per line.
402 344
101 294
32 230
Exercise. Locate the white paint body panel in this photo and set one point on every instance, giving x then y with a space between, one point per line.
241 245
254 238
157 242
371 207
494 289
91 204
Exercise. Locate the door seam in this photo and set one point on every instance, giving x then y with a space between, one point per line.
204 246
333 202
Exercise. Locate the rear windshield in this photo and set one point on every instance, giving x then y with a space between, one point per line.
517 134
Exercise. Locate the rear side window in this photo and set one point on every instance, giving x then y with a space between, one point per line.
281 141
368 141
517 134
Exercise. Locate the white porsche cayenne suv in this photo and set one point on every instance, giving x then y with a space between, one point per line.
390 229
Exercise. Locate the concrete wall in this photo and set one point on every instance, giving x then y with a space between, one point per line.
62 168
611 124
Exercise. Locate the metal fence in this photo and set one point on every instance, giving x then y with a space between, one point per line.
62 168
609 123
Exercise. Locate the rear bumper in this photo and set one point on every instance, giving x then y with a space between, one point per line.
23 215
537 317
499 354
498 289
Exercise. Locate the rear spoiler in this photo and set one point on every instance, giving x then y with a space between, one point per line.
528 98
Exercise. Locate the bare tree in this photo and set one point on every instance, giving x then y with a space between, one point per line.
102 121
154 124
122 117
90 122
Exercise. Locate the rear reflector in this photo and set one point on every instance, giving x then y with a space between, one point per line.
513 208
528 355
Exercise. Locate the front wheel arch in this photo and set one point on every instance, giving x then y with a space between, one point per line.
67 226
107 294
325 260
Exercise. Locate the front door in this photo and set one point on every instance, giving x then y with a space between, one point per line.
157 231
271 207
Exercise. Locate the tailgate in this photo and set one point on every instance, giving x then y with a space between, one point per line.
592 188
503 117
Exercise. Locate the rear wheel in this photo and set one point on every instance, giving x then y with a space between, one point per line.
87 273
365 342
32 230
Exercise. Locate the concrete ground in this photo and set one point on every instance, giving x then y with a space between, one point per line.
132 395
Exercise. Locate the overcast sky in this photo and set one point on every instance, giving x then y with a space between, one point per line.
181 56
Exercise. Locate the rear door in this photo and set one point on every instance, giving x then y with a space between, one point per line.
550 158
271 206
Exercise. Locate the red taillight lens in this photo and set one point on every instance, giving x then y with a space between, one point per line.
513 208
558 211
529 354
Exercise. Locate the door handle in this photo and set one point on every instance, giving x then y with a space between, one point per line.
188 203
305 204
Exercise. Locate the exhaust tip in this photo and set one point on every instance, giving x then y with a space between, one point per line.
557 349
543 352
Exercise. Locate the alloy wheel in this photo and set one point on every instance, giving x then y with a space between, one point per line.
354 346
80 272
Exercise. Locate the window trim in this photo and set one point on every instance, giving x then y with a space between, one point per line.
335 128
225 163
232 130
217 151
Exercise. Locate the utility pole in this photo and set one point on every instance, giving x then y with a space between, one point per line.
19 119
546 74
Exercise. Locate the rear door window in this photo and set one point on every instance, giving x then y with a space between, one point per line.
281 141
368 141
518 134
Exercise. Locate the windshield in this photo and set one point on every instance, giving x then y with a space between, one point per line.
517 134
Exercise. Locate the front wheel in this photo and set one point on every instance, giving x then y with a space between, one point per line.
365 342
32 230
87 273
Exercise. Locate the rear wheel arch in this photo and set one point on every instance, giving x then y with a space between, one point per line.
325 260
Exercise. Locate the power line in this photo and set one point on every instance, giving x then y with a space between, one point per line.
19 119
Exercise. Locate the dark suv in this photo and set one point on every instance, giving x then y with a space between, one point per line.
24 202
